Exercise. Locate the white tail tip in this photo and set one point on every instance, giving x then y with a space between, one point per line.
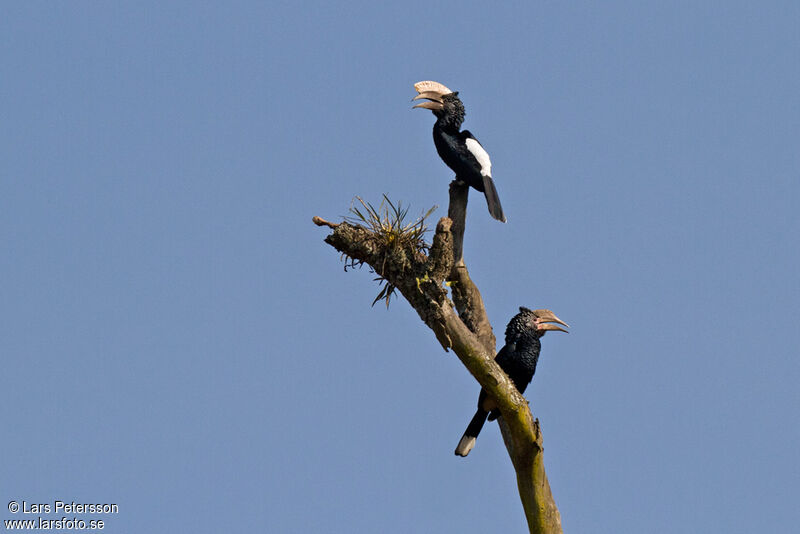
465 445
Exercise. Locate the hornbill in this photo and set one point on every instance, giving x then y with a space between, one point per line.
459 150
518 359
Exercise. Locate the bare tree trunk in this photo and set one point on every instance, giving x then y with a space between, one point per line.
463 326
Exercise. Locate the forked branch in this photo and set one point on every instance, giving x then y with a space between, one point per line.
460 324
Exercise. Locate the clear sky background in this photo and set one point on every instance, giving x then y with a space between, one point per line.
176 338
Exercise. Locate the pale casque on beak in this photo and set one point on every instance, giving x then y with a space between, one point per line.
432 91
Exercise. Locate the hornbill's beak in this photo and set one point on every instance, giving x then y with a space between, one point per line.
433 106
545 317
435 98
432 91
429 95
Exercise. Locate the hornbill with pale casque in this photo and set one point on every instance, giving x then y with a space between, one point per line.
518 359
459 150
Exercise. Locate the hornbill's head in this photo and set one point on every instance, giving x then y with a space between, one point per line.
443 102
539 321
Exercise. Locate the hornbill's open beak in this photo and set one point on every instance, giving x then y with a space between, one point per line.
545 317
432 91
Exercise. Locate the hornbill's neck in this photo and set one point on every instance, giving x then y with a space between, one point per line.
451 116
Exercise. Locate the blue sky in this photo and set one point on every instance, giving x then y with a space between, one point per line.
177 339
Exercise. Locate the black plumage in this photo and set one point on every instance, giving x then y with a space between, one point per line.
518 358
460 150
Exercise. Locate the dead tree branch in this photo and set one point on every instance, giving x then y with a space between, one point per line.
463 326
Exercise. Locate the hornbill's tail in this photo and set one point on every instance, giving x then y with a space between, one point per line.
471 433
492 200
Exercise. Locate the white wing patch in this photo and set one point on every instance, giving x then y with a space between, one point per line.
480 154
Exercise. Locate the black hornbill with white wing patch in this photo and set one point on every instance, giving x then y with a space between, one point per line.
518 359
459 149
